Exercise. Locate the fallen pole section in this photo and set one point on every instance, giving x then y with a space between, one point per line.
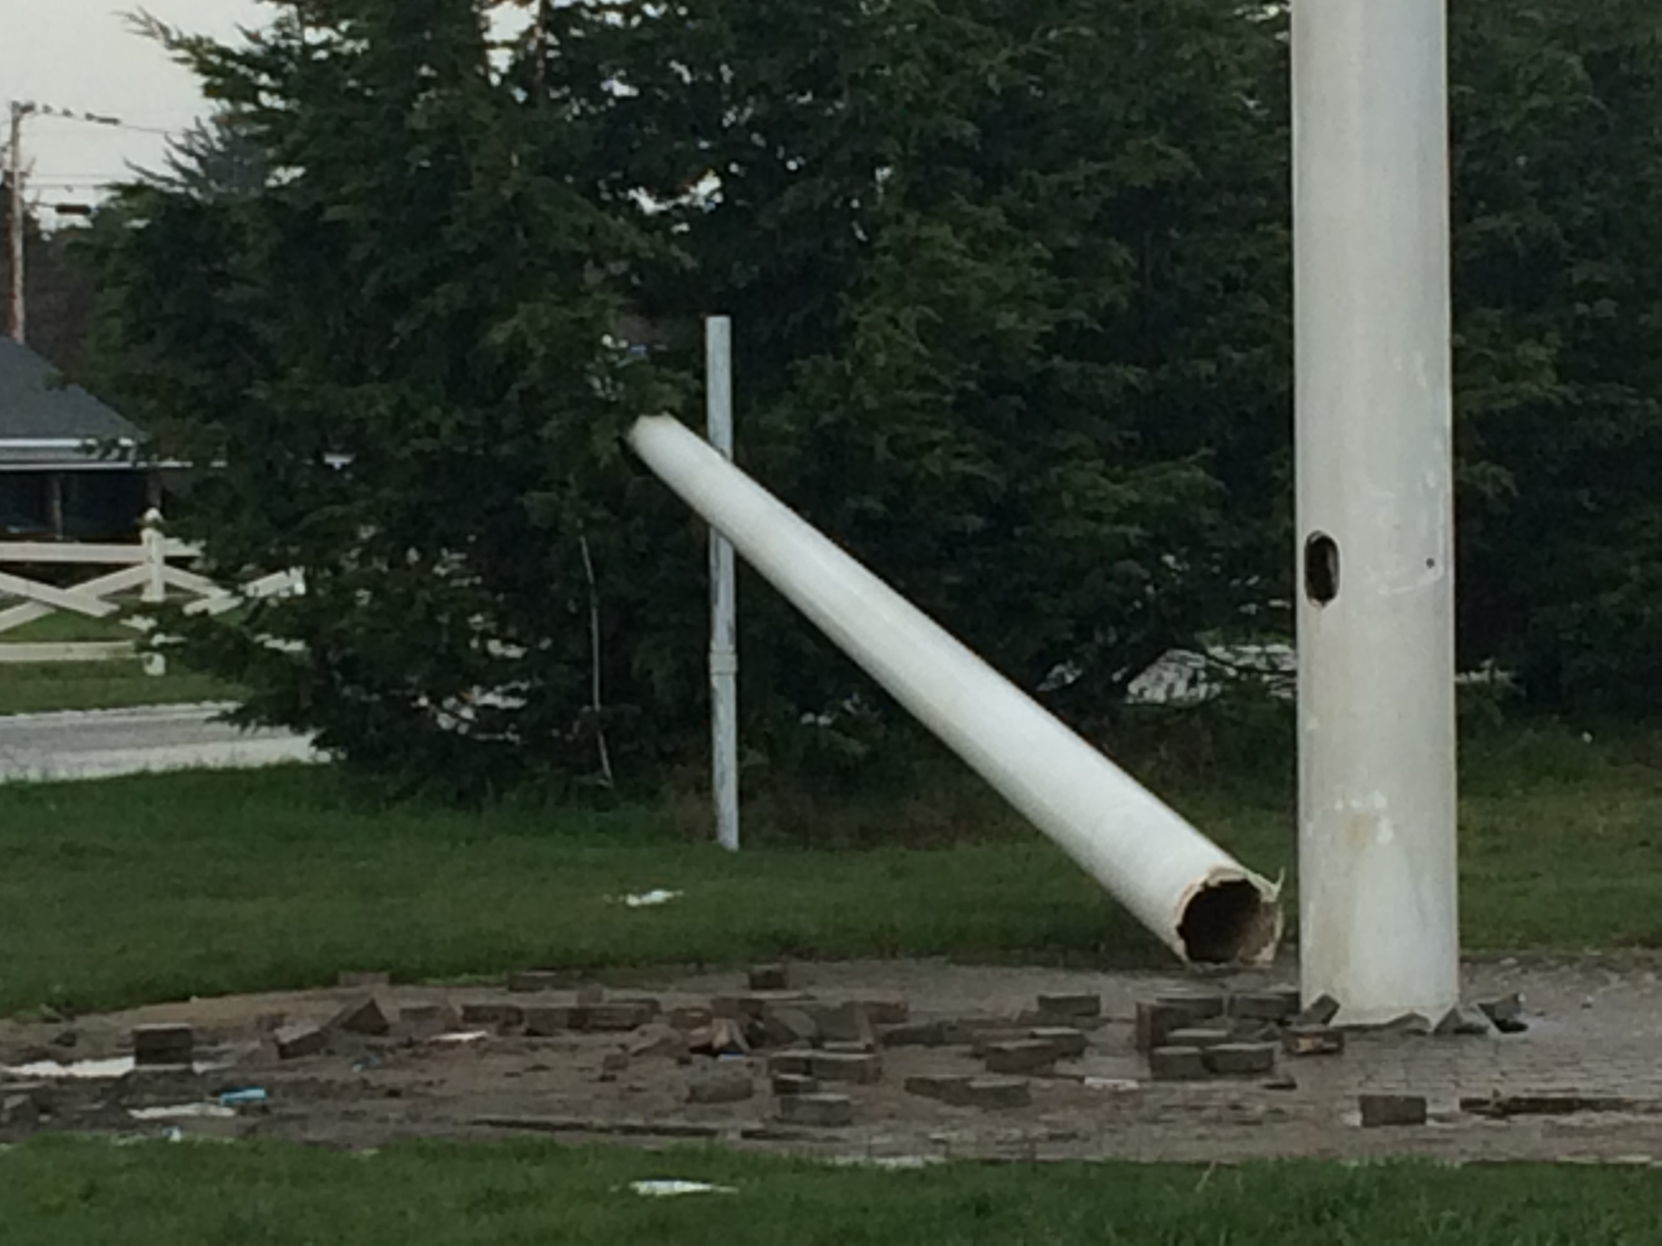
1195 898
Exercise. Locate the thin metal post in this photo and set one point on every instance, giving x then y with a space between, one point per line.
1378 926
17 319
724 659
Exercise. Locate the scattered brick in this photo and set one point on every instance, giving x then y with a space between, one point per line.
754 1003
19 1111
1281 1083
795 1084
1313 1040
848 1049
1067 1042
365 1015
1071 1004
839 1066
822 1111
526 980
943 1086
1380 1110
492 1012
720 1085
295 1041
1155 1022
360 978
1272 1005
1240 1058
544 1020
425 1018
788 1026
884 1009
1025 1055
1407 1023
723 1036
1200 1005
1468 1022
769 978
1200 1036
1320 1011
845 1023
913 1034
1176 1064
163 1044
615 1017
797 1063
590 993
1506 1013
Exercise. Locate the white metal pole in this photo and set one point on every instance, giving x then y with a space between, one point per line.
1194 897
1378 926
724 659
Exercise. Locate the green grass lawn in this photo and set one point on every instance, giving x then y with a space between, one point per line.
141 889
58 1191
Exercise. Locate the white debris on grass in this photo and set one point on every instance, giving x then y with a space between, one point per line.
462 1036
672 1188
182 1111
650 899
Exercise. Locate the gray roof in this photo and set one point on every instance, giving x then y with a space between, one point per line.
35 407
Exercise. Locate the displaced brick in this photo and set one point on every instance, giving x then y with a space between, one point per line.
590 993
943 1086
1067 1042
797 1063
1156 1021
769 978
1320 1011
844 1023
295 1041
913 1034
795 1084
1407 1023
1272 1005
527 980
1176 1064
363 1016
615 1017
691 1017
1200 1005
1200 1036
788 1026
721 1085
1313 1040
1380 1110
1469 1022
753 1004
163 1044
1239 1059
995 1092
1506 1013
492 1012
1025 1055
839 1066
1071 1004
425 1018
846 1049
819 1110
542 1020
363 978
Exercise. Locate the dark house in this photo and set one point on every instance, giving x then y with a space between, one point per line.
68 467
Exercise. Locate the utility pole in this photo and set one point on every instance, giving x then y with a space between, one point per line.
1378 927
17 312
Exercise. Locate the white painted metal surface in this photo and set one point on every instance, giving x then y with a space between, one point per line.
1195 898
724 647
1378 927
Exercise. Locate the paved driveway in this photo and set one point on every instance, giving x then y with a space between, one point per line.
101 743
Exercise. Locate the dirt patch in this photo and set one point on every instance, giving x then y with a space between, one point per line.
1594 1029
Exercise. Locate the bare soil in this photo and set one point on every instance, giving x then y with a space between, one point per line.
1588 1066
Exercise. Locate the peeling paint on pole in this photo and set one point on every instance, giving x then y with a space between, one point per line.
1378 898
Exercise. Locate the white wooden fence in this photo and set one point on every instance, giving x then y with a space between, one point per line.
144 565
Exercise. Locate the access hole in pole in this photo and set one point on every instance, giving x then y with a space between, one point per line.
1321 568
1229 923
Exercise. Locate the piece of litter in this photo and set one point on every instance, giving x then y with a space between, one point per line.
119 1066
1110 1083
650 899
669 1189
182 1111
462 1036
243 1095
899 1163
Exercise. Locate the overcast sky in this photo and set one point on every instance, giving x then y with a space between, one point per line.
79 55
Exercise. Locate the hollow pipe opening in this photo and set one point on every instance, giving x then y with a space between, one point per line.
1230 922
1321 568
